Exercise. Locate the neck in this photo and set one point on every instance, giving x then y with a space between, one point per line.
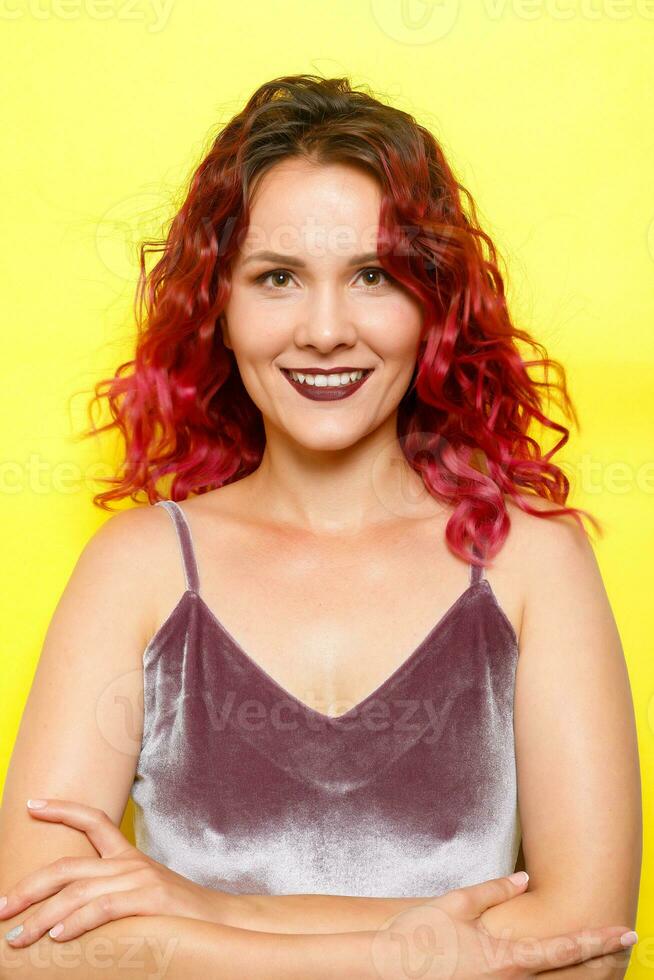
340 492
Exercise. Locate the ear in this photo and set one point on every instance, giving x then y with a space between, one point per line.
225 332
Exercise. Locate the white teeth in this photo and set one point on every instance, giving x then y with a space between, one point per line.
327 380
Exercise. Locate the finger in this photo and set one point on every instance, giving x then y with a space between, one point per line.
105 908
53 877
471 901
98 827
569 949
70 902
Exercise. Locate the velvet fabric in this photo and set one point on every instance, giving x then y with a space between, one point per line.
242 788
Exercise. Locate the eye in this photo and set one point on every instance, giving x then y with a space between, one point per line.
273 272
377 272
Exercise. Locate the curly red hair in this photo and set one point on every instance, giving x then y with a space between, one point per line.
463 422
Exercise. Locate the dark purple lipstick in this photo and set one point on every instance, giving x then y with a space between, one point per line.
327 392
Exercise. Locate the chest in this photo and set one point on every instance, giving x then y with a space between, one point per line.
329 625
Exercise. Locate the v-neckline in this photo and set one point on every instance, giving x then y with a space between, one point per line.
402 668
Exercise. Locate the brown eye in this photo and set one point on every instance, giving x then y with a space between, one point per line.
277 273
376 272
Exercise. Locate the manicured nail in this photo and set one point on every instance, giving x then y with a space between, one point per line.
519 878
14 933
57 930
629 938
36 804
3 902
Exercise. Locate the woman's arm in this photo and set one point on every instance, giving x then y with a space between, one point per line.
317 913
576 748
295 914
177 948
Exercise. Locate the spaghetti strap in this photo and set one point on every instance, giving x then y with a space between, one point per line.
185 543
476 571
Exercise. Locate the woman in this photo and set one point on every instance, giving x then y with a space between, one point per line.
341 707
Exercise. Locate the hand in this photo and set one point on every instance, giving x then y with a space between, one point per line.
87 892
444 939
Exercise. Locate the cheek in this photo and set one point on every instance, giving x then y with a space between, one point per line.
254 338
397 325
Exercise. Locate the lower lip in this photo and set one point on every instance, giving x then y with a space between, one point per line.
326 394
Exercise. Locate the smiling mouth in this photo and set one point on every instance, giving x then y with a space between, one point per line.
327 379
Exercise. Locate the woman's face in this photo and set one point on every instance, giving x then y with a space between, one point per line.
320 305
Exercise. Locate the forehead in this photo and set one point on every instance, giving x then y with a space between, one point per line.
313 210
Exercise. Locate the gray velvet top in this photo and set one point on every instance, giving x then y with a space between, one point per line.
241 787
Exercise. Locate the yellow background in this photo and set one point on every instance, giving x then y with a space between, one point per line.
543 108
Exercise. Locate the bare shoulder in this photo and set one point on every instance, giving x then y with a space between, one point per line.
553 553
540 556
552 531
137 552
124 554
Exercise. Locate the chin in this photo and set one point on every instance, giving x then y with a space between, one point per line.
326 440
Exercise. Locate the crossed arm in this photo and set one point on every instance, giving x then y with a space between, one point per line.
179 947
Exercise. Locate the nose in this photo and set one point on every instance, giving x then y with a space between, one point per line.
324 322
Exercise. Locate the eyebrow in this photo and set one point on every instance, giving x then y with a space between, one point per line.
300 263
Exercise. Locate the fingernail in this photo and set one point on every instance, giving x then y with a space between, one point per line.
57 930
3 902
36 804
519 878
14 933
629 938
